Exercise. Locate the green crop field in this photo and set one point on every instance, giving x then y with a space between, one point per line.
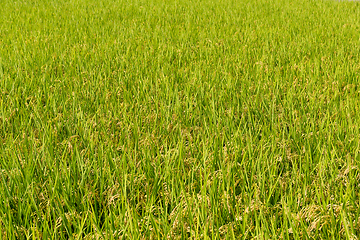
179 119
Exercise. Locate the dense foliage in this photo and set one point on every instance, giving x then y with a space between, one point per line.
201 119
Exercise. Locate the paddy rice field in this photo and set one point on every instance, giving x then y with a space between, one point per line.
179 119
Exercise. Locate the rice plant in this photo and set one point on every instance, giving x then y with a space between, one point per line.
191 119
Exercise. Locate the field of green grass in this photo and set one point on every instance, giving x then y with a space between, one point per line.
179 119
